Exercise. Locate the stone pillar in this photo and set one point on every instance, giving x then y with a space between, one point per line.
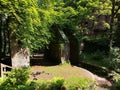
65 51
20 56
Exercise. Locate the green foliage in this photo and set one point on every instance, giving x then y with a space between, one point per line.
115 57
81 83
32 32
117 36
99 44
93 56
54 84
97 55
98 58
31 20
58 83
24 22
15 79
115 78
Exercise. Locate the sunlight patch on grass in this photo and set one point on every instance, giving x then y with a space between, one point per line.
78 82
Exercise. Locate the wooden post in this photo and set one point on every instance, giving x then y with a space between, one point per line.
3 70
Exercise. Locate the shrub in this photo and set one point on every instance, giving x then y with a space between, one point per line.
17 78
115 57
115 78
97 55
96 44
21 87
93 56
76 83
54 84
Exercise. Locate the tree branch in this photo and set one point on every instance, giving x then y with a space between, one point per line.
117 10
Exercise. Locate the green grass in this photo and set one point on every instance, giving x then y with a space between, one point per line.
65 71
71 83
74 77
78 82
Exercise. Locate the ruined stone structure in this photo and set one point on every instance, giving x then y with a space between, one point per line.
65 48
20 57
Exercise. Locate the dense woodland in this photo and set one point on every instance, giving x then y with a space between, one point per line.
92 29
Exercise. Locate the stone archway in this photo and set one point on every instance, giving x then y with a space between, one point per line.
59 48
74 47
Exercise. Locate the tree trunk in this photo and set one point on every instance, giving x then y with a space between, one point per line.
114 12
117 33
0 40
4 40
112 23
6 50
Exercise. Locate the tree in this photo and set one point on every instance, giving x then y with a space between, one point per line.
24 25
114 11
62 18
33 23
4 32
71 16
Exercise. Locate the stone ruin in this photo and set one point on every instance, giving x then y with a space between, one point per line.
21 58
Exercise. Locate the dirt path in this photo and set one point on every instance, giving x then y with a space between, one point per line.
102 83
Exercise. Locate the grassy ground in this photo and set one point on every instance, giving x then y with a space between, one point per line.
72 75
49 78
65 71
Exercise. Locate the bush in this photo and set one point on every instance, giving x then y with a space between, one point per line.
98 56
80 83
54 84
11 84
115 65
16 78
94 44
115 57
115 78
